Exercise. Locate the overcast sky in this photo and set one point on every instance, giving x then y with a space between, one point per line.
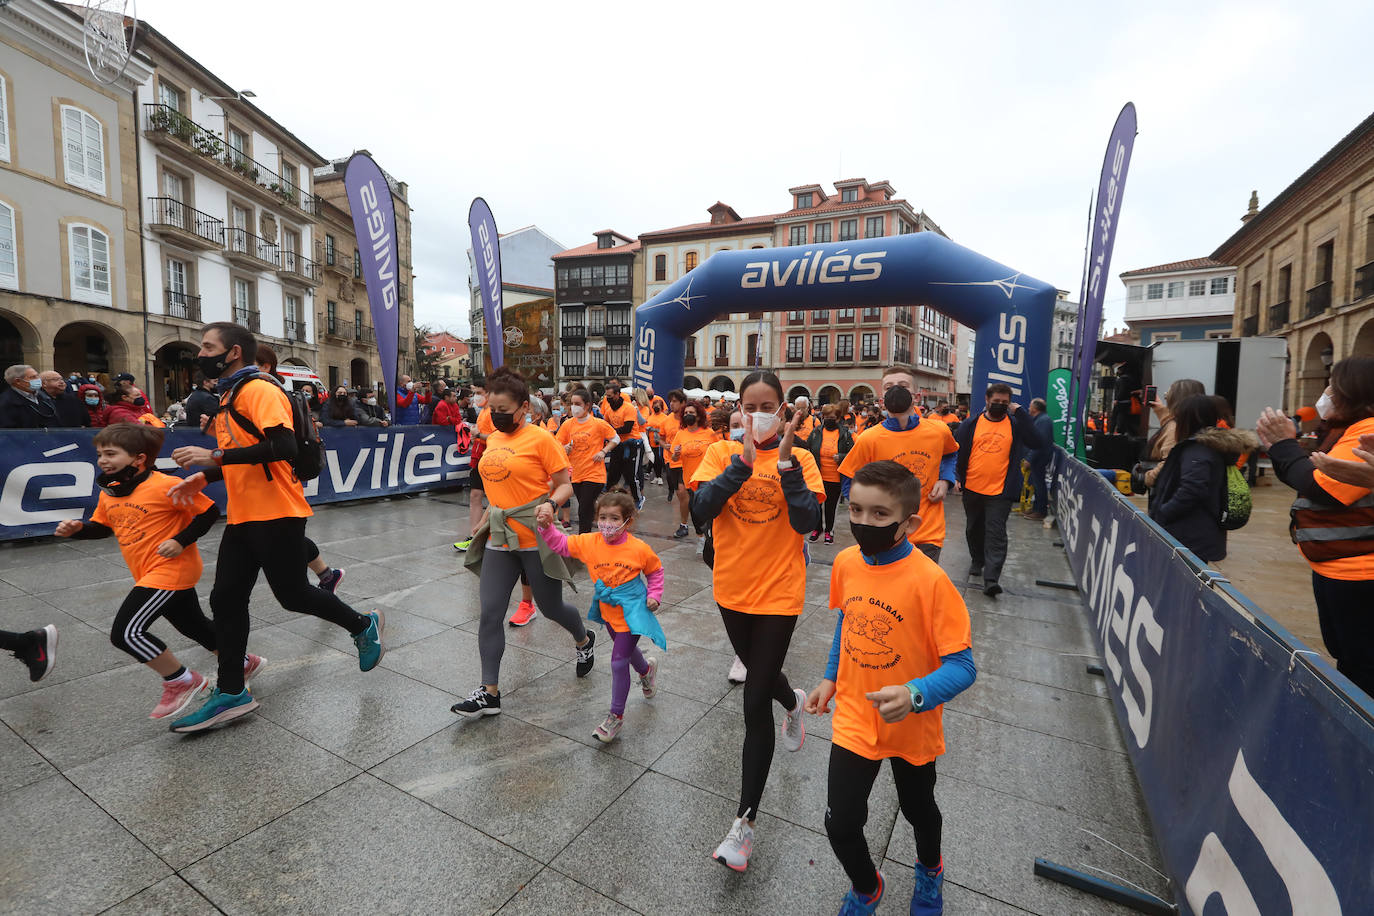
991 117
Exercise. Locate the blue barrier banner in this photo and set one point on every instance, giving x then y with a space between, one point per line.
49 475
1258 774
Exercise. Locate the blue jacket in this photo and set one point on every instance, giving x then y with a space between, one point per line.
407 408
633 599
1023 437
1044 430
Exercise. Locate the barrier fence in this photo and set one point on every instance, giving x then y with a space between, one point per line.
49 475
1255 757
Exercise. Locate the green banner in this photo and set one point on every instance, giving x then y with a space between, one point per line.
1060 403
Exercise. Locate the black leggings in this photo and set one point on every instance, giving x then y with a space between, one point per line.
312 551
846 811
181 607
658 462
275 548
674 481
1347 626
832 502
11 641
624 466
586 492
761 641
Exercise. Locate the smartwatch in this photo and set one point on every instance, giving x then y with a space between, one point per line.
553 504
917 699
217 456
786 464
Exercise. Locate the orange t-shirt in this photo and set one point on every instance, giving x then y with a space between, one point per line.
1349 569
586 436
830 446
144 519
949 418
656 424
252 497
989 457
552 424
899 619
805 428
760 567
694 441
516 468
918 450
613 564
484 425
860 424
617 418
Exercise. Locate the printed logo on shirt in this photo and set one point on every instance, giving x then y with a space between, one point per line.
991 442
865 633
759 501
128 522
914 460
492 467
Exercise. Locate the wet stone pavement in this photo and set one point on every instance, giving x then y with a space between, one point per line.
351 792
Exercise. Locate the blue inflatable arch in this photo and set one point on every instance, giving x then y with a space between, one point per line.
1010 313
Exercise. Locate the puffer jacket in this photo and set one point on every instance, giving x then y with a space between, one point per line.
1191 489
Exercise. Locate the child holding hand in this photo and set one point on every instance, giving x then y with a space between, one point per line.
623 601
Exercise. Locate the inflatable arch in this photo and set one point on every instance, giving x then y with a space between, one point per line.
1010 313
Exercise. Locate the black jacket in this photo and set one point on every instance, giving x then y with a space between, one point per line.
18 412
199 403
1191 488
1023 437
71 411
843 445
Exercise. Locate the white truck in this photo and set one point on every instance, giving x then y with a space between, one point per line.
1247 371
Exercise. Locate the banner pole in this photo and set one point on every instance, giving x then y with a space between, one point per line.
1139 901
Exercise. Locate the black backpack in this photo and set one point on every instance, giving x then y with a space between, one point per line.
309 460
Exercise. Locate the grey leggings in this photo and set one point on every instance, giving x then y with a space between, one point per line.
500 571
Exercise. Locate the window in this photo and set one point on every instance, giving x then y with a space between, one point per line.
290 179
849 195
177 272
722 346
691 351
849 230
1135 292
1285 282
331 309
574 358
796 317
9 259
243 296
870 346
689 261
1221 286
596 322
753 349
1325 255
820 348
329 250
1197 288
844 315
357 265
794 348
168 95
89 250
844 347
820 316
797 236
4 121
873 227
1175 289
1164 335
1154 291
822 233
804 202
238 145
871 314
660 268
943 324
83 143
1219 334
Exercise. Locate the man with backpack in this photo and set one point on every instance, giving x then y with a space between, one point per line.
266 447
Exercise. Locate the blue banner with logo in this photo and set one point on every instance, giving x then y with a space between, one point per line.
374 223
1255 757
49 475
486 256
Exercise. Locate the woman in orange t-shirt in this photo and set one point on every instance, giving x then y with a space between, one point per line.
760 499
518 466
587 440
693 437
829 443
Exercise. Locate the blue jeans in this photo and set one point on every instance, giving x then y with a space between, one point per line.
1040 504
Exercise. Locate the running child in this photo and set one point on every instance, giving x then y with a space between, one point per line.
158 540
902 648
623 602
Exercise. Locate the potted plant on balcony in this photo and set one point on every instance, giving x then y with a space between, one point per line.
208 144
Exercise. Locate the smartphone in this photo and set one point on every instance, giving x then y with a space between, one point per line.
1151 393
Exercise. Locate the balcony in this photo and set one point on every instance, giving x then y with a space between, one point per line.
618 331
578 332
845 316
842 356
173 131
245 249
796 358
1249 326
1279 314
182 305
249 318
295 330
574 370
401 291
1318 300
794 320
173 220
689 362
721 362
617 370
335 261
820 318
904 316
294 267
336 327
1364 281
362 333
596 330
872 316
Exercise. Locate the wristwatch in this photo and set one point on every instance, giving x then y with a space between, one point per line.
786 464
553 504
917 699
217 456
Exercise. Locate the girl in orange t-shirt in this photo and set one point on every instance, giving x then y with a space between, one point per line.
615 560
693 438
519 465
587 440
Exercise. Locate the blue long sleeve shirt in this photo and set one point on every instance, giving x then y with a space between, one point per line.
948 463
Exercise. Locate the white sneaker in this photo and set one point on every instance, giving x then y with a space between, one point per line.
733 851
793 728
737 671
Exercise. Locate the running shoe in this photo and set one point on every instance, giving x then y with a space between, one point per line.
252 664
975 571
567 525
369 642
647 679
41 652
1034 516
793 728
829 537
814 536
216 711
738 671
733 851
331 579
524 614
991 588
585 656
460 546
929 899
857 904
478 703
639 503
177 696
606 731
681 532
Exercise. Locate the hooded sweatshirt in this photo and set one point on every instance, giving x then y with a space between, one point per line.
1190 491
99 411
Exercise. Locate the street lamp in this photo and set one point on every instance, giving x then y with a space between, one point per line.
245 94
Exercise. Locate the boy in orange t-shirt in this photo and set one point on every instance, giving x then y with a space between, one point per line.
902 648
158 540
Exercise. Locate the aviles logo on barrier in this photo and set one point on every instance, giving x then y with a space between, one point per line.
812 268
1009 358
491 287
380 235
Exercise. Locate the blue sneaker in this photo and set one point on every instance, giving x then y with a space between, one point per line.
857 904
369 642
929 898
216 711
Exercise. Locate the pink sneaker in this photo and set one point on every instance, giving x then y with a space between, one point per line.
176 697
524 614
252 664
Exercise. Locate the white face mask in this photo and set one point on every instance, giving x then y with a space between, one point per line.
765 424
371 402
737 433
578 410
479 400
1325 406
410 386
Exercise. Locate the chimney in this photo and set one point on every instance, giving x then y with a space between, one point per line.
1253 210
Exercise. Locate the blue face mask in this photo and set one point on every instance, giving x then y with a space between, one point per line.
35 385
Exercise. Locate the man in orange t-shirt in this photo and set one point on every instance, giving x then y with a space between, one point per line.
266 519
625 419
989 470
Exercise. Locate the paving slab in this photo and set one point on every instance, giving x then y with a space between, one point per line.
81 648
20 764
450 662
169 897
555 894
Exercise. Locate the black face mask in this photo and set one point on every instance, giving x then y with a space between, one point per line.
874 539
997 411
140 402
213 366
121 482
504 422
689 419
615 401
897 399
832 424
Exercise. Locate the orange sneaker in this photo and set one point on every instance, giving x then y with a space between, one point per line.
524 614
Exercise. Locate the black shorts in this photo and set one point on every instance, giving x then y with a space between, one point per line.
475 480
674 478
